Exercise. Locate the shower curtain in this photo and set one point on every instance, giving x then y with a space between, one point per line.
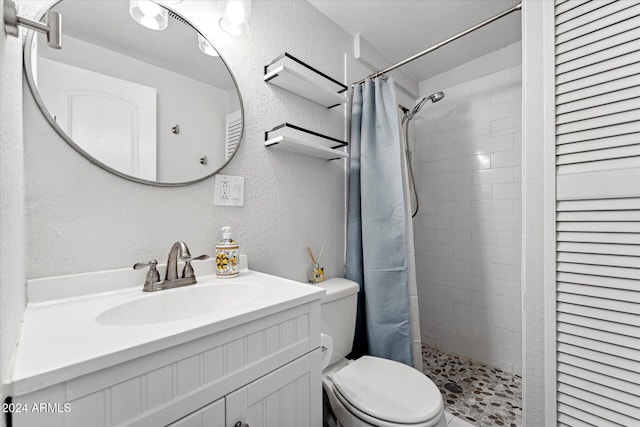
376 255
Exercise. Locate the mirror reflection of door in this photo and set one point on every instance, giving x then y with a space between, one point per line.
113 120
116 85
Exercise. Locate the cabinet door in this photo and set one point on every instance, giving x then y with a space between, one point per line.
290 396
211 415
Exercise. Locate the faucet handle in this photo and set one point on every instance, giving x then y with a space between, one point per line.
151 263
153 276
188 258
187 271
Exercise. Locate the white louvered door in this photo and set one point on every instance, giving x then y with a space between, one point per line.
598 212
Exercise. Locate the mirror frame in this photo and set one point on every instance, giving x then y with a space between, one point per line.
27 58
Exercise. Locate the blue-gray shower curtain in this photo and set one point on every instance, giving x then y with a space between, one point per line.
376 225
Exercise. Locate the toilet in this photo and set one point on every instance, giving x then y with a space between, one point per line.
369 391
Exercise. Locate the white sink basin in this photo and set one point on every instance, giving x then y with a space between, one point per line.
181 303
72 332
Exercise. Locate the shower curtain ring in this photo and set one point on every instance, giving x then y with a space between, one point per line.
383 76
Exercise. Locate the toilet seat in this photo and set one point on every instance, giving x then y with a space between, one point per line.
372 421
386 393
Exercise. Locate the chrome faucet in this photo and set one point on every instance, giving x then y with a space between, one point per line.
178 249
171 280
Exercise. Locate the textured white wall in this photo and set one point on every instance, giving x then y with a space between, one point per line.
468 232
81 218
12 238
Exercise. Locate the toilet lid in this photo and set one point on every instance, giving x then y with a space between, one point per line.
388 390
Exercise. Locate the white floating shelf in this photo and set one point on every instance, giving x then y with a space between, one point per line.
295 145
292 81
281 72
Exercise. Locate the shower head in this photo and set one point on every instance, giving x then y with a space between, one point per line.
435 97
409 114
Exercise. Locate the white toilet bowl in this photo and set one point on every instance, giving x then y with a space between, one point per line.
370 391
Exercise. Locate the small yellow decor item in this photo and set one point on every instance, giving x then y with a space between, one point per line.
315 274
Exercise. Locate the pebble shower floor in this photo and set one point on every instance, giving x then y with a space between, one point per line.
477 393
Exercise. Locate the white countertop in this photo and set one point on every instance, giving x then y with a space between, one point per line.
61 339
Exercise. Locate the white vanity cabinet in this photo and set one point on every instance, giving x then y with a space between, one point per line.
281 398
212 415
263 371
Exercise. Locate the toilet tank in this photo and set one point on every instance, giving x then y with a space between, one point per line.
338 313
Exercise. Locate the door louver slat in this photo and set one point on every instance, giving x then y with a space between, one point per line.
601 111
605 380
599 100
607 26
602 88
608 282
582 394
579 417
630 215
597 313
598 270
631 239
612 393
603 325
628 36
630 203
606 304
611 418
600 291
593 13
598 144
610 159
597 122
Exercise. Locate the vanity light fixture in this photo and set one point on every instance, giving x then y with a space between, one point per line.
149 14
236 15
206 47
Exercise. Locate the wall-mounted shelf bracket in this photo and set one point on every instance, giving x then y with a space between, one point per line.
52 28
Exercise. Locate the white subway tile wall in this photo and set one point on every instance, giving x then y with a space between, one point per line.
468 233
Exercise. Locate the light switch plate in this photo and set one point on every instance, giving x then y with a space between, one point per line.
229 190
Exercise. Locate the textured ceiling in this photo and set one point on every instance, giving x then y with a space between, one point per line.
401 28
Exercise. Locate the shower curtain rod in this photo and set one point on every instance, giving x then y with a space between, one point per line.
442 43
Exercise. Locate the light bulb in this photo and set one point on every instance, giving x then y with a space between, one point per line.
149 14
235 12
149 8
236 15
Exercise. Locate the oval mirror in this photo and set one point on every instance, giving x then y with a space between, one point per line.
155 106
